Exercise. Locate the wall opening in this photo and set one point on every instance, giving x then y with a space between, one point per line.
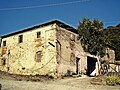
38 56
20 39
91 65
77 65
3 61
38 34
4 43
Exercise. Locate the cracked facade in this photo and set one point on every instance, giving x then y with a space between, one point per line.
48 48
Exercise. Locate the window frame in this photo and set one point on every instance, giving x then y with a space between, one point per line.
3 61
38 34
20 38
4 43
38 56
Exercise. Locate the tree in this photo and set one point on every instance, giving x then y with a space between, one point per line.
91 36
112 39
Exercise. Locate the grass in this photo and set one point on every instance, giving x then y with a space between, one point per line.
112 80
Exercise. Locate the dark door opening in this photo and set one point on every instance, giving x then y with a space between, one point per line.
77 66
91 65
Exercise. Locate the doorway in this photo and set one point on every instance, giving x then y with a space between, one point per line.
91 65
77 66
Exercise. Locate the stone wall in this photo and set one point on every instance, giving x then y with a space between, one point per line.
109 55
20 58
67 43
52 53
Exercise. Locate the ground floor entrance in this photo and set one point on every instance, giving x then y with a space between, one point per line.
91 65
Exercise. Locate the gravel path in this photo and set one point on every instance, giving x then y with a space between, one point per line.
80 83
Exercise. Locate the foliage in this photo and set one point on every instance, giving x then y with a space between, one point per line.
112 80
112 39
95 39
91 36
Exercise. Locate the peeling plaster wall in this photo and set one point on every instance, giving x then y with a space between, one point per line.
109 55
21 59
69 43
56 45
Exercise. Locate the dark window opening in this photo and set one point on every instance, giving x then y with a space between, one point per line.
20 38
38 34
77 65
4 43
38 56
3 61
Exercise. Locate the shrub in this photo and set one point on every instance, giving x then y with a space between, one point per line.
112 80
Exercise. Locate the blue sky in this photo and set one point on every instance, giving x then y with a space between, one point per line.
107 11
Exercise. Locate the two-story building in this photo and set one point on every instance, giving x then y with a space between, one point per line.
47 48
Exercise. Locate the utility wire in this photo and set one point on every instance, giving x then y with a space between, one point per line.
41 6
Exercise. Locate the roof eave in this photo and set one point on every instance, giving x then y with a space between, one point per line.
59 23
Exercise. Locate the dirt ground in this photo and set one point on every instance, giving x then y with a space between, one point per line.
76 83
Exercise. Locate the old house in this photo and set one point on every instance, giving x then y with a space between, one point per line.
47 48
51 48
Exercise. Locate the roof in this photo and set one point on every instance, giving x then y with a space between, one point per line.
59 23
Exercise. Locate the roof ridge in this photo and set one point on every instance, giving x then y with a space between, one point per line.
58 22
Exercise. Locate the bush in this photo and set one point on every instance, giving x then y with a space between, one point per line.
112 80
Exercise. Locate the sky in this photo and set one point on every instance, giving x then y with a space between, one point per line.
14 17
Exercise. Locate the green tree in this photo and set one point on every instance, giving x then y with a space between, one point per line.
112 39
91 36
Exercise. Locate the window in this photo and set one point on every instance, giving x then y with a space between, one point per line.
38 34
20 38
38 56
3 61
4 43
